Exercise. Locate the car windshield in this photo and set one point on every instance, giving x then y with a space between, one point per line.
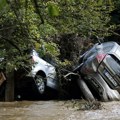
114 63
99 48
107 46
118 52
90 52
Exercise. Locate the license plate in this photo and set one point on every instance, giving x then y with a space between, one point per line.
110 78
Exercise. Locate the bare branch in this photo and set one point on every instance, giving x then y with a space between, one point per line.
114 33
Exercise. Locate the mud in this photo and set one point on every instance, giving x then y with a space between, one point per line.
57 110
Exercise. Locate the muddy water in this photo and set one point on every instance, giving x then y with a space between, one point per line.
56 110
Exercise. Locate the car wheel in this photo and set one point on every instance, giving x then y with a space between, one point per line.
85 90
40 83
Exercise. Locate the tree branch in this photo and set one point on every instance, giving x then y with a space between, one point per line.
114 33
11 43
38 11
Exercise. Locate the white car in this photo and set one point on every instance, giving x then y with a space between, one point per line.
40 79
43 73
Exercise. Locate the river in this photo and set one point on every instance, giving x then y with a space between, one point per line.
57 110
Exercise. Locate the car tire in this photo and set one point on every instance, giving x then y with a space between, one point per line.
40 83
85 90
41 90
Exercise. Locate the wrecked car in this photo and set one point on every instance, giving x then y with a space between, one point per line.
99 68
40 77
43 73
36 77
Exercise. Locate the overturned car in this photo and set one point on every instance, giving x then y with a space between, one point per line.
99 69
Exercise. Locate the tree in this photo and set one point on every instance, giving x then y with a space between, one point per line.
19 31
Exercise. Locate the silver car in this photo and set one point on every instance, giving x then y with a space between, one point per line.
40 78
100 71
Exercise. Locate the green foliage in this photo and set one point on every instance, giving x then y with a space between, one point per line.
46 30
47 48
53 9
21 25
51 48
65 63
85 17
3 3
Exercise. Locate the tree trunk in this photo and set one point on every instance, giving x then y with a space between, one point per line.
9 91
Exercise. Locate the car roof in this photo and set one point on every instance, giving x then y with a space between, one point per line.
105 47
